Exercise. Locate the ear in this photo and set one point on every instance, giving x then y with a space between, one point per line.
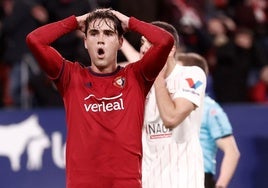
85 42
121 40
173 51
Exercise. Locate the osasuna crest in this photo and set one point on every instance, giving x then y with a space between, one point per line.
119 82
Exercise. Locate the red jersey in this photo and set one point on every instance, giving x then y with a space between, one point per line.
104 112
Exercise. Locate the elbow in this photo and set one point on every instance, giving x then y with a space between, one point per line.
29 39
238 155
172 120
167 41
169 123
33 42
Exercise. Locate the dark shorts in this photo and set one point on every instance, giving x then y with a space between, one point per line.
209 180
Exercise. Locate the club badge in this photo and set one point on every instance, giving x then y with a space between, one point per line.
119 82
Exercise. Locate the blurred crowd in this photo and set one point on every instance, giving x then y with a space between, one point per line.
231 34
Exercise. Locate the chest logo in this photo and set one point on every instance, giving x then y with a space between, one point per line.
119 82
104 104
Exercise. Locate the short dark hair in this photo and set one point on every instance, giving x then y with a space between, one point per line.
104 14
169 28
193 59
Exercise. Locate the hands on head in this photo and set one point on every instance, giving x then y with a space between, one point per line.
81 20
123 18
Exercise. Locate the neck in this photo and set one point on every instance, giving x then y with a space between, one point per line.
104 69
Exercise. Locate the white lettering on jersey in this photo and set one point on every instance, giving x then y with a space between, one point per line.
105 105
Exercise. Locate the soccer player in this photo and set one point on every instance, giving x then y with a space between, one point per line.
104 103
172 155
172 152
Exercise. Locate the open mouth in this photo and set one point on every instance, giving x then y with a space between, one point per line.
100 52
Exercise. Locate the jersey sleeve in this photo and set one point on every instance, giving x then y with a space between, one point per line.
218 123
155 58
192 85
39 41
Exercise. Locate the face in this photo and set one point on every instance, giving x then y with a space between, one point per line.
102 43
243 40
215 27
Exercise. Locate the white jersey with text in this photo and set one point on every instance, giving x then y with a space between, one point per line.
173 158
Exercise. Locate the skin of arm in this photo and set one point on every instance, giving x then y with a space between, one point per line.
229 162
172 112
130 52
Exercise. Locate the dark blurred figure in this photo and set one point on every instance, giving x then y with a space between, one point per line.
189 21
20 17
4 99
238 62
253 14
259 91
46 93
146 10
59 9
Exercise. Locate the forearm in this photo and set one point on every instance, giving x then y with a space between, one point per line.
47 34
227 170
165 104
172 111
154 34
230 160
162 42
130 52
39 42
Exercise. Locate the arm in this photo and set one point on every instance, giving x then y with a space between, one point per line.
162 42
127 49
130 52
229 162
172 112
39 41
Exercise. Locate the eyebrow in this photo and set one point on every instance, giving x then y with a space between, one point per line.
103 30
